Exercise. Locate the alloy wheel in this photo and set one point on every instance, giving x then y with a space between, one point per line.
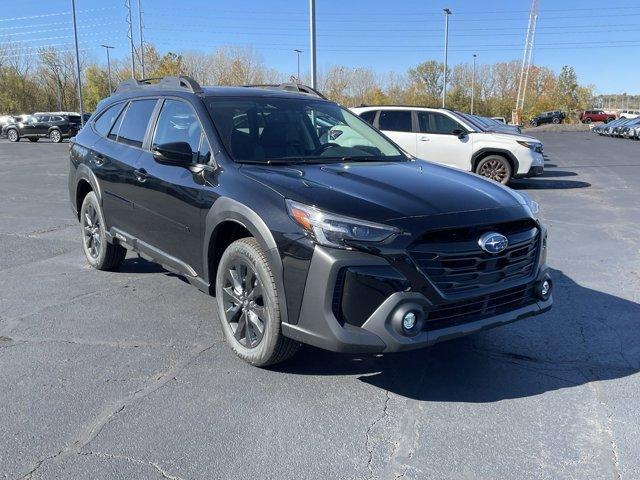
495 170
244 304
55 136
13 135
91 229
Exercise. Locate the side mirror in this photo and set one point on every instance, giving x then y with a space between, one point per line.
174 153
459 133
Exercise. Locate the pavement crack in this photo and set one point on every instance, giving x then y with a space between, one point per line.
368 439
606 427
163 473
93 429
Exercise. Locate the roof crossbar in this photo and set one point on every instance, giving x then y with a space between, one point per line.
170 83
289 87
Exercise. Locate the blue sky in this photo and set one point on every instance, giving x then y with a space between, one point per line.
601 43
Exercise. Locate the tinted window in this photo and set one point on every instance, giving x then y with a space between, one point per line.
42 118
134 124
368 116
434 122
395 120
103 124
73 118
178 122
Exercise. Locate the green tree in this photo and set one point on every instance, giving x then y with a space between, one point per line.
96 87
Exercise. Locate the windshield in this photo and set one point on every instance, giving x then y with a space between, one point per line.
473 120
286 130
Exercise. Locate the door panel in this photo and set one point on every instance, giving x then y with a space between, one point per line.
436 143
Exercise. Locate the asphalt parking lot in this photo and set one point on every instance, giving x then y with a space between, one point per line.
126 375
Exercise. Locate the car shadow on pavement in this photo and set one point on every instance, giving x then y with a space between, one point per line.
544 183
588 336
140 265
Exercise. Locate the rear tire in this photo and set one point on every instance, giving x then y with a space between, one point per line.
588 120
100 254
556 120
533 123
33 139
55 136
248 308
496 168
12 135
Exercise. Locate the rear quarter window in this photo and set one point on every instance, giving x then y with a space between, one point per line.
106 119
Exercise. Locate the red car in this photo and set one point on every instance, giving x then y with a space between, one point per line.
589 116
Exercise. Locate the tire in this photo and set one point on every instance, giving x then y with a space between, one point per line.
33 139
100 254
496 168
533 123
55 136
246 295
12 135
587 120
556 120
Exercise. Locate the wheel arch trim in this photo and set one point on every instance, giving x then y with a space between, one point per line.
226 209
84 173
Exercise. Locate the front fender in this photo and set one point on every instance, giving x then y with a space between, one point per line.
226 209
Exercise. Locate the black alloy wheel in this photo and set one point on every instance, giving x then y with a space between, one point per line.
244 303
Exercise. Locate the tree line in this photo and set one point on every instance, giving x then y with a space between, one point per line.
46 81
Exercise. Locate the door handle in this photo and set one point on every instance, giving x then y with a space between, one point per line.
424 139
141 175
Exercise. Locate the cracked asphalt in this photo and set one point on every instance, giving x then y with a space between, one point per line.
125 374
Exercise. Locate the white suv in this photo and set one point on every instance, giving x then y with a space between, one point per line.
630 114
450 138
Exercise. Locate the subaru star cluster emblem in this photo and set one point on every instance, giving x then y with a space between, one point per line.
492 242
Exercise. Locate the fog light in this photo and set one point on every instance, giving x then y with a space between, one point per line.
544 289
409 321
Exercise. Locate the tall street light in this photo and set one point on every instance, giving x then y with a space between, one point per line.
473 82
312 40
107 48
447 12
75 36
298 52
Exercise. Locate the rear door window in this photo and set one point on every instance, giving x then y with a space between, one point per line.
369 116
104 122
395 120
135 122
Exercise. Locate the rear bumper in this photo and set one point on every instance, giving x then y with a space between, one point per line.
382 331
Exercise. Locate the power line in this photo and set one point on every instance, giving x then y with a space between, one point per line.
56 14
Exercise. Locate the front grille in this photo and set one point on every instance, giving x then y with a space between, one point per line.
455 263
457 313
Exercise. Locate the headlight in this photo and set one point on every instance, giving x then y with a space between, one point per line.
535 146
335 230
534 207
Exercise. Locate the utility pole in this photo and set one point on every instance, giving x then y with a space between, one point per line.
473 83
298 52
141 39
127 5
526 60
107 48
75 37
312 40
447 12
58 84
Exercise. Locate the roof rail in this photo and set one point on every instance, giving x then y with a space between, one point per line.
289 87
170 83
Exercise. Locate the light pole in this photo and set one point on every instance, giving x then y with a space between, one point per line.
473 82
298 52
447 12
75 36
312 40
107 48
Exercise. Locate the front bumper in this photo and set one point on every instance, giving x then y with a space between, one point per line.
380 330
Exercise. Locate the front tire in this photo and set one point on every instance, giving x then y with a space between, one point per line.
496 168
12 135
248 308
556 120
55 136
533 123
100 254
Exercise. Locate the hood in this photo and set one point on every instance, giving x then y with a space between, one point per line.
382 191
514 137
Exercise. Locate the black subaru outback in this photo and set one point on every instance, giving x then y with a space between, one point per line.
54 126
306 223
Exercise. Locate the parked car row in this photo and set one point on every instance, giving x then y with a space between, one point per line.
468 142
52 125
622 127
